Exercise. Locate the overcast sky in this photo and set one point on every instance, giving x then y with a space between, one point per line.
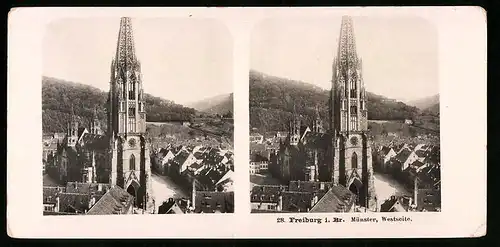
400 58
182 59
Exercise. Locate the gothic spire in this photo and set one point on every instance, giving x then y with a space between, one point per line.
346 53
125 50
95 113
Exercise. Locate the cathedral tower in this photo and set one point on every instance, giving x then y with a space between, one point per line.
130 165
352 162
295 125
95 126
317 123
72 135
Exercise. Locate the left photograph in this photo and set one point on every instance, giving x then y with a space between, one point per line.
137 116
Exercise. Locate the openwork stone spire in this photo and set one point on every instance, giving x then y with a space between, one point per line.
125 50
346 53
348 102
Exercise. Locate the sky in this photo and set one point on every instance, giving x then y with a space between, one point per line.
399 54
182 59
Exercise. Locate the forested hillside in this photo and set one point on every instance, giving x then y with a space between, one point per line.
273 99
221 104
59 97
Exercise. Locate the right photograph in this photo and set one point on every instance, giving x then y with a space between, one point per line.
344 115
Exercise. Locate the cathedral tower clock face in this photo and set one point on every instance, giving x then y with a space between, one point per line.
132 142
354 140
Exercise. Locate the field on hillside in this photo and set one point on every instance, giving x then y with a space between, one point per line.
382 133
173 133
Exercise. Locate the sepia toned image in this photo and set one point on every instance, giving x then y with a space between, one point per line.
137 116
344 115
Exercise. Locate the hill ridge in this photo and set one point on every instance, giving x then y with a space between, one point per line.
59 96
273 99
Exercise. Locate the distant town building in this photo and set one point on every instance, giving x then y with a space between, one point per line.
258 163
256 138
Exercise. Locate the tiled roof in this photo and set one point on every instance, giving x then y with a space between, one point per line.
385 150
209 178
50 194
263 180
267 193
210 202
170 205
256 147
181 157
310 186
297 201
163 152
316 140
73 202
196 165
94 142
403 155
397 204
421 153
198 155
87 188
115 201
80 131
337 199
416 164
256 157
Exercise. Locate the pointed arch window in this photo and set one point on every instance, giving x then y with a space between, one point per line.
131 90
132 162
354 161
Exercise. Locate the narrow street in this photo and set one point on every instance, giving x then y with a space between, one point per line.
385 187
164 188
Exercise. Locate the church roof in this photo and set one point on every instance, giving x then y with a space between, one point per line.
115 201
94 142
337 199
310 186
316 140
87 188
